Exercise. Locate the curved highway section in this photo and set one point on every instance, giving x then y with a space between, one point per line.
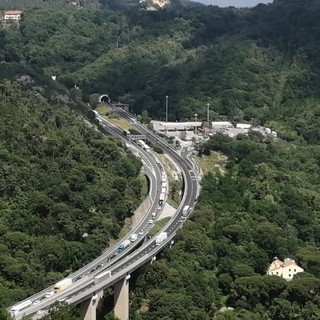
109 275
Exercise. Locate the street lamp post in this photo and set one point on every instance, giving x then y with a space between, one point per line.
208 114
167 108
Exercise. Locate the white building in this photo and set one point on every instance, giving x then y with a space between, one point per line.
243 125
285 269
234 132
14 15
157 3
264 131
175 126
221 125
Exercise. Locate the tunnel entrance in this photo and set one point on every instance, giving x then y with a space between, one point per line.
105 98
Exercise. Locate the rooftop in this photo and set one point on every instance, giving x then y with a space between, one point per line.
160 125
277 264
13 12
221 123
233 132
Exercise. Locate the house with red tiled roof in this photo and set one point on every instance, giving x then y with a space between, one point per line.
14 15
285 269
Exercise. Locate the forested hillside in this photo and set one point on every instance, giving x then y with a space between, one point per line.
267 204
248 64
65 191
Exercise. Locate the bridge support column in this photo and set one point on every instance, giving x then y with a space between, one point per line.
88 308
121 299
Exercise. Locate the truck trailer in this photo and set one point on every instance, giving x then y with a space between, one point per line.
164 185
147 148
123 245
102 276
61 285
161 237
16 309
161 199
185 211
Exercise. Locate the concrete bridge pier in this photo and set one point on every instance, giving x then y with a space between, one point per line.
88 308
121 298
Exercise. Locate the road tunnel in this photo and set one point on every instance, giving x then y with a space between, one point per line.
105 98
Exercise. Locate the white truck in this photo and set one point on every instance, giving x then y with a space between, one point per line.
141 143
162 198
161 237
153 215
164 185
124 245
147 148
16 309
102 276
61 285
163 178
185 211
163 190
134 237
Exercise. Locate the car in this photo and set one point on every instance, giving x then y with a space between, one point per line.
150 221
36 302
141 232
49 294
40 312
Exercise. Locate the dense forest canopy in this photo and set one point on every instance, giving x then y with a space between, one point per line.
258 65
248 64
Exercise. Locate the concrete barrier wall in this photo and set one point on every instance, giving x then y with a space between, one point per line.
140 213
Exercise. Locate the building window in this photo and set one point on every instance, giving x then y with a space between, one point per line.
289 275
289 270
295 270
277 272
